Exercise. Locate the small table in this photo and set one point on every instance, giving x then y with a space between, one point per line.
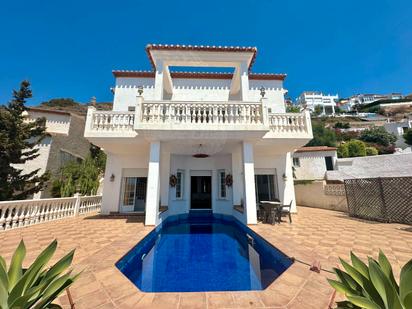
274 205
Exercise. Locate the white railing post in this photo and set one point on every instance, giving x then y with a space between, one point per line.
265 112
77 204
138 111
89 118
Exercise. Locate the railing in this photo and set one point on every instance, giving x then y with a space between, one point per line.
289 122
112 121
170 115
200 113
15 214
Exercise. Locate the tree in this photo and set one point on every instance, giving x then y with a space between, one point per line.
378 135
408 137
342 125
18 141
318 110
83 176
293 109
322 136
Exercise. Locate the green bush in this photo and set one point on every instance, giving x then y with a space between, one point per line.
373 285
371 151
322 136
343 151
353 148
36 286
356 148
408 137
378 135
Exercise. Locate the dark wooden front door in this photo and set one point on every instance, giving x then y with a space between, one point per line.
201 192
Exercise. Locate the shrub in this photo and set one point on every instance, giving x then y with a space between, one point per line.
378 135
371 151
322 136
36 286
343 151
408 137
356 148
342 125
373 285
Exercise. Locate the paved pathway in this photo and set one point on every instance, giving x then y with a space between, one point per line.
314 234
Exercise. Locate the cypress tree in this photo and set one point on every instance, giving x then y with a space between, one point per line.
18 144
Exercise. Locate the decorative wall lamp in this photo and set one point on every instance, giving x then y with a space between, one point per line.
262 92
140 90
112 177
285 178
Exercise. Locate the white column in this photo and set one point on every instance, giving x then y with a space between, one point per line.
249 178
164 178
237 187
158 87
289 188
244 81
153 185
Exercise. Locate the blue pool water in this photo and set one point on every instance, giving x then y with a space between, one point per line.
194 254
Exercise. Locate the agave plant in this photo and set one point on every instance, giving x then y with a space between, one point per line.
36 286
373 286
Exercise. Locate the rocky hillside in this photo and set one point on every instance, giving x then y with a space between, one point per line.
69 105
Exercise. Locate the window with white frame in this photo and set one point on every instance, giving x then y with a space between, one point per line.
180 175
222 184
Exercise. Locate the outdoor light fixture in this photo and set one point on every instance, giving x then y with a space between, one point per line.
200 154
140 90
112 178
262 92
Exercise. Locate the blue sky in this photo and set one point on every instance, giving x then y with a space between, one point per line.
69 48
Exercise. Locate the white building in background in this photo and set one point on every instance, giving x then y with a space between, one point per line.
181 141
311 99
366 98
64 143
399 129
311 163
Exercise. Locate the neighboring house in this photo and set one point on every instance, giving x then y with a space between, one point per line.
65 143
368 98
311 99
311 163
179 141
392 165
399 129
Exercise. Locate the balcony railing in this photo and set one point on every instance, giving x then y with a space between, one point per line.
202 113
173 115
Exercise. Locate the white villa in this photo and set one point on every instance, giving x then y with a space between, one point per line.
181 141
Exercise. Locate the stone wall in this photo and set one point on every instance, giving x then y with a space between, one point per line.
318 194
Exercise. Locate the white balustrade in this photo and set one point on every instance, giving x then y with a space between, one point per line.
288 122
112 121
14 214
201 113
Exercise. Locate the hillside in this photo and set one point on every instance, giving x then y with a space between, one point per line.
69 105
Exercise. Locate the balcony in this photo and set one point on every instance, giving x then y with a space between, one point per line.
171 117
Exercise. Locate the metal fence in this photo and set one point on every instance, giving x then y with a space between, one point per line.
386 199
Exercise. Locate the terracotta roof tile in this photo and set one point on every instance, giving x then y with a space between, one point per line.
202 75
212 48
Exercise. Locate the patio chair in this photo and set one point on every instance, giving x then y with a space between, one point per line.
285 210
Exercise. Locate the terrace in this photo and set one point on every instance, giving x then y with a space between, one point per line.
314 235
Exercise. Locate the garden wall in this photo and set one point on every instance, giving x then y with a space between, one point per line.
318 194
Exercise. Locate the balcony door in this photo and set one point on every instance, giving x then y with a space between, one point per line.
133 194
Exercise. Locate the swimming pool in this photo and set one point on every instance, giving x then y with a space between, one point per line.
203 253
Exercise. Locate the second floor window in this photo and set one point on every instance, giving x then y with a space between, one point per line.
296 162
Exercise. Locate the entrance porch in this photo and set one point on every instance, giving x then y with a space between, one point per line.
226 177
